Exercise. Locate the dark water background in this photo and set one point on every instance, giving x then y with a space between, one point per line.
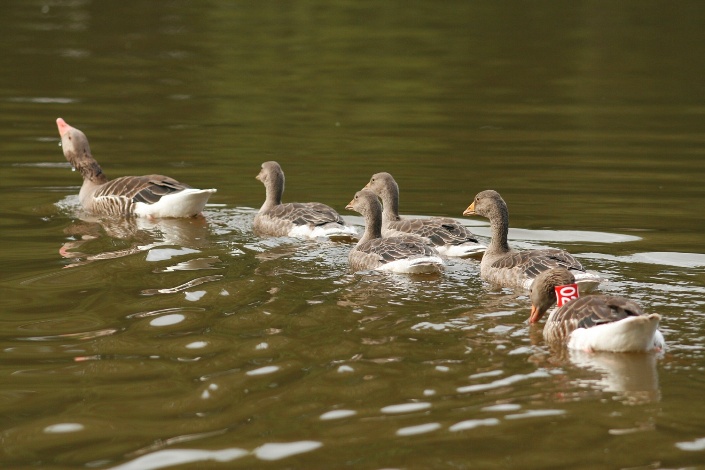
154 344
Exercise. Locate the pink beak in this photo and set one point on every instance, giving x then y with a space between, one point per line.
63 127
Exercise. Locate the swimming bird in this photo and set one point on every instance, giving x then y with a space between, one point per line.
512 268
399 254
448 236
593 322
295 219
153 196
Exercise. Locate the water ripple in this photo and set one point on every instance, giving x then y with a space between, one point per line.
184 286
337 414
173 457
503 382
278 451
473 423
406 408
665 258
418 429
41 100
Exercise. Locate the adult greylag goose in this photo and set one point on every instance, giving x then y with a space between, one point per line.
295 219
399 254
593 322
448 236
153 196
511 268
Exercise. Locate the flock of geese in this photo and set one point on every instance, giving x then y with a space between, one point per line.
396 244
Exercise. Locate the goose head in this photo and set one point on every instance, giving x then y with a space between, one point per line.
78 153
486 204
382 184
272 176
543 293
366 203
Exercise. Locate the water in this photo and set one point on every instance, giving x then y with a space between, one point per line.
154 344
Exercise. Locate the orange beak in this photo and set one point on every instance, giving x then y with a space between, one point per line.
535 314
470 210
367 186
349 206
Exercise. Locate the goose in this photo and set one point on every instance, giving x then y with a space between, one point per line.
448 236
400 254
512 268
295 219
152 196
594 322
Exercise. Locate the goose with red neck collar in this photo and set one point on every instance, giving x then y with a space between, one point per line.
593 322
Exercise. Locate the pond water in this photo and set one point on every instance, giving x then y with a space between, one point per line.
183 343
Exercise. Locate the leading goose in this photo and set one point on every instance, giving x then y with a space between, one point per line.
152 196
511 268
295 219
400 254
448 236
593 322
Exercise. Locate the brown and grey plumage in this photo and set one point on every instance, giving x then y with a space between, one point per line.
593 322
148 196
295 219
511 268
448 236
400 254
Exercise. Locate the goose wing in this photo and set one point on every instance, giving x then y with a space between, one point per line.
594 310
147 189
306 213
438 230
396 248
534 262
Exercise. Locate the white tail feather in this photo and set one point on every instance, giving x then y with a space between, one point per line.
186 203
327 231
420 265
460 251
633 334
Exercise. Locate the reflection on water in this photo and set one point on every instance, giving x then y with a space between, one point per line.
631 376
167 458
169 231
280 327
682 260
92 234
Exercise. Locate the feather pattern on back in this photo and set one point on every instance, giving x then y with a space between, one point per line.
150 195
448 236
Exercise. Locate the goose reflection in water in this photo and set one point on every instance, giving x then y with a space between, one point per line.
97 238
631 377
